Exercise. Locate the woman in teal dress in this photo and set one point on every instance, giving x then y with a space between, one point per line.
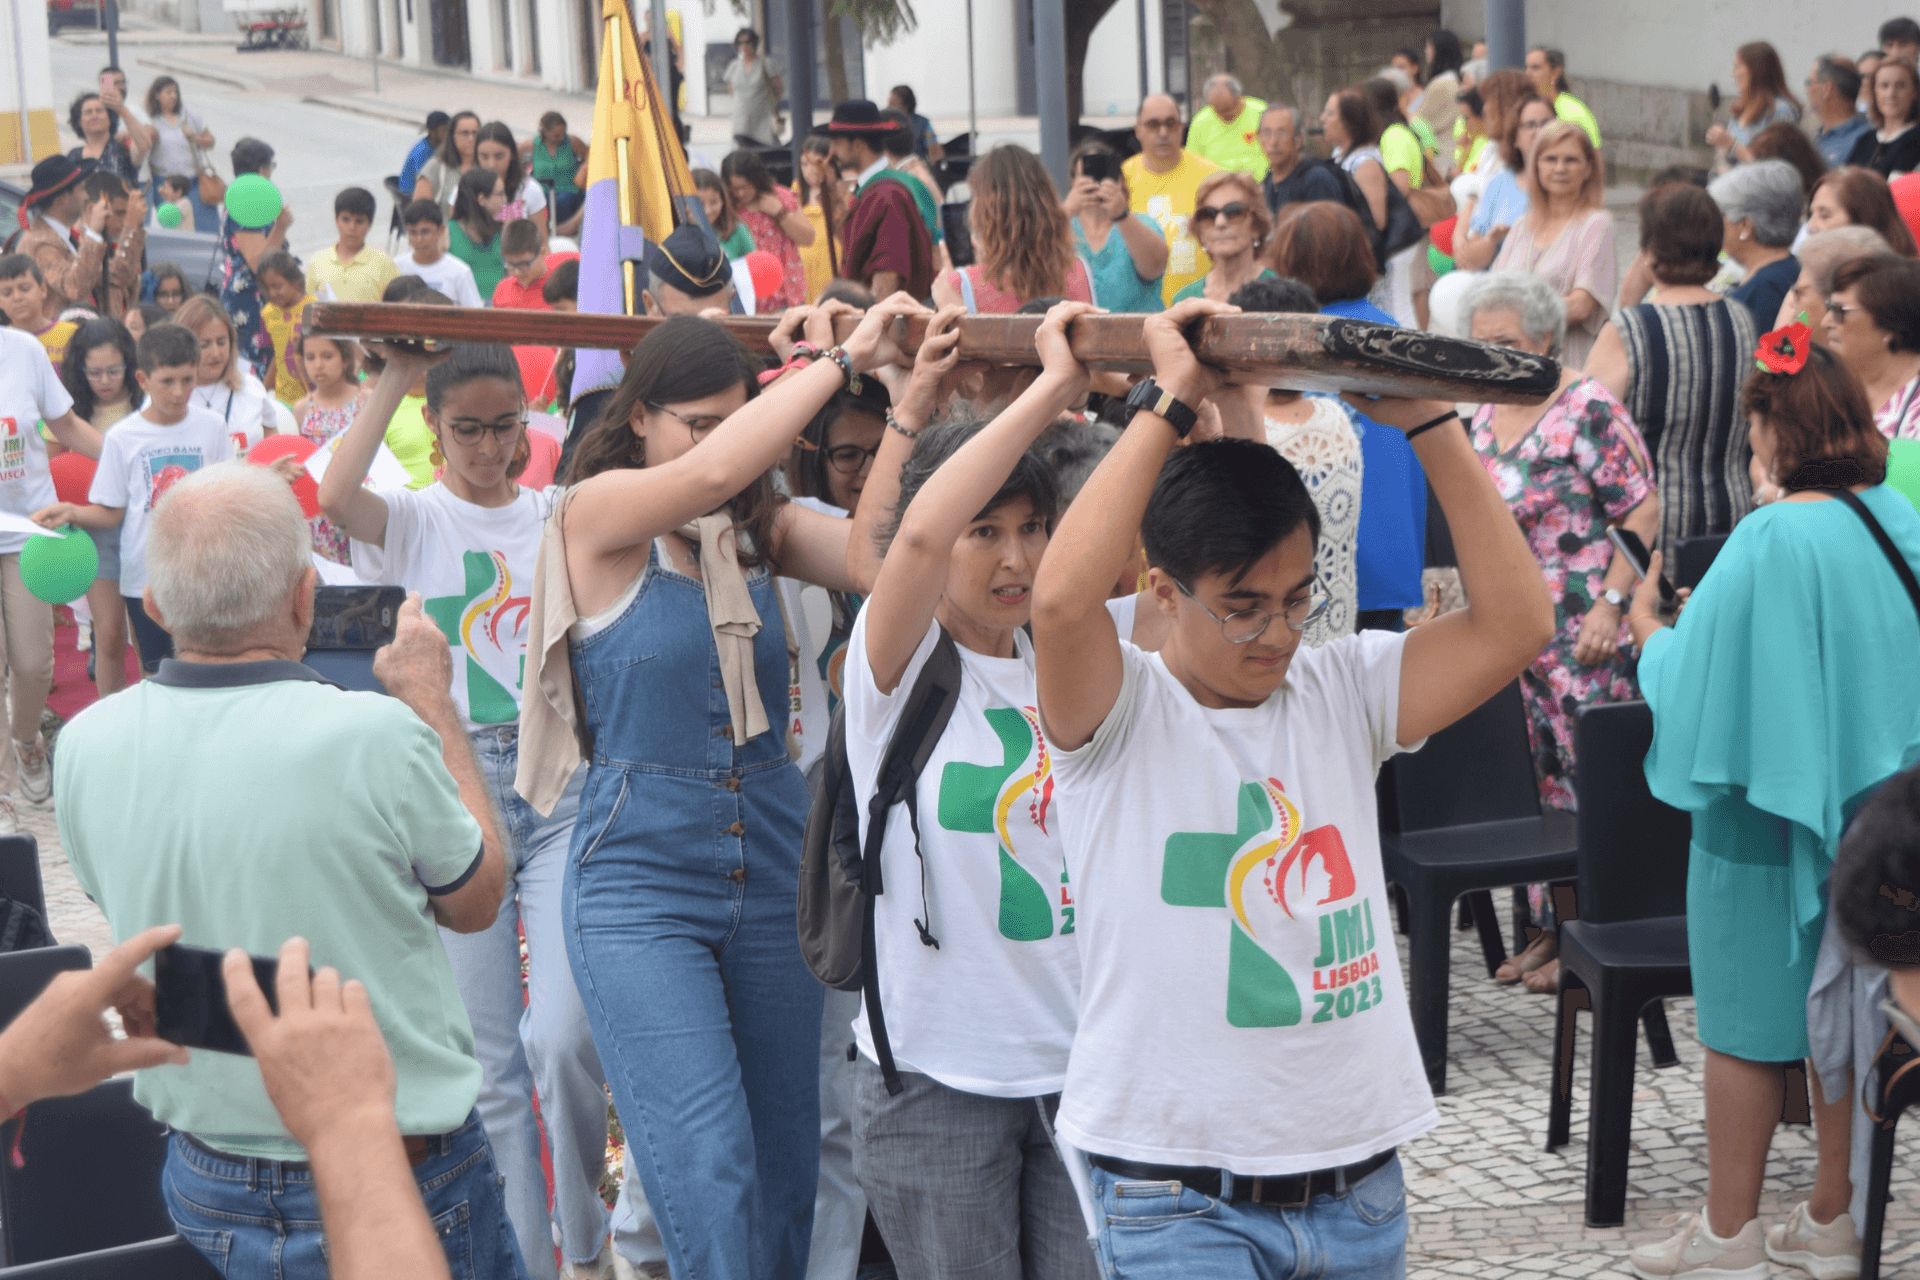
1785 693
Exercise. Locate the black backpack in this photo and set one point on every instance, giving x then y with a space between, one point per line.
1403 225
840 873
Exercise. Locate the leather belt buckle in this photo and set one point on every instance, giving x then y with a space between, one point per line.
1291 1191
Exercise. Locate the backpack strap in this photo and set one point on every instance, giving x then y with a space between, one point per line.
1880 535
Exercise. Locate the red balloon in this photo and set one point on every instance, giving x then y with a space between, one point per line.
768 275
270 450
72 476
1441 233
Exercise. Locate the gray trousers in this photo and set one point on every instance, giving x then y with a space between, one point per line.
965 1187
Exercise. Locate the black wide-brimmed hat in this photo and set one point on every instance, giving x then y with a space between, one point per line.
859 118
52 176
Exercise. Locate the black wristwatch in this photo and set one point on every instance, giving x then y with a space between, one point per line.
1150 396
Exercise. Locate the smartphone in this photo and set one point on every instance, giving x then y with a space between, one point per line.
1099 166
355 617
1629 545
190 998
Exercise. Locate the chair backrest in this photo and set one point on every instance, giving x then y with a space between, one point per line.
1633 848
1693 556
89 1180
20 871
1478 769
25 974
169 1259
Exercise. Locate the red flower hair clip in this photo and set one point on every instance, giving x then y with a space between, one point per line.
1785 350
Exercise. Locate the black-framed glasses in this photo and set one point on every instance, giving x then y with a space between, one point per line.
1840 310
1244 626
699 424
469 432
850 459
1231 212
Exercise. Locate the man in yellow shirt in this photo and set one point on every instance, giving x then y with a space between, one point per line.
1161 183
1227 130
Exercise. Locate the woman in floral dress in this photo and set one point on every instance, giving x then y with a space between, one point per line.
1568 472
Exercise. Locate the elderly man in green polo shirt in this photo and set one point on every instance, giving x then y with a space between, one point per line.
241 795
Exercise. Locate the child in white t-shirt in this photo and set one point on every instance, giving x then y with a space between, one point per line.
1244 1061
145 455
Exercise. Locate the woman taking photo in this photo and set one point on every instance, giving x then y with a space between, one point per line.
495 149
1760 203
473 234
681 883
100 142
1892 146
1760 98
1566 235
1873 325
98 372
1775 709
1125 252
824 203
1022 245
439 178
773 217
180 146
1230 221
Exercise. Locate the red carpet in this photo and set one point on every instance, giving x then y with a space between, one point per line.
72 691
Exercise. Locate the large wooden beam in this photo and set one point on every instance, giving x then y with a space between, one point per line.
1309 352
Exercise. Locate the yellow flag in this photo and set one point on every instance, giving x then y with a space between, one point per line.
634 145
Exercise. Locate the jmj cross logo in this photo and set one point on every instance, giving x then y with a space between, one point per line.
989 799
1289 868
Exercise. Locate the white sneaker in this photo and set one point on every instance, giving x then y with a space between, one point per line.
36 771
1696 1254
1825 1252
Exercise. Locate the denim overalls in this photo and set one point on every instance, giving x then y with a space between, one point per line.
680 900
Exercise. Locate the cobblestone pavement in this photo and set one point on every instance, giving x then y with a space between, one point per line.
1484 1198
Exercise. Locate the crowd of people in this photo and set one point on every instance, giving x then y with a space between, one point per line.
1068 621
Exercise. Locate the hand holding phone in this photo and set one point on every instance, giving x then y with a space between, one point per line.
190 998
1628 543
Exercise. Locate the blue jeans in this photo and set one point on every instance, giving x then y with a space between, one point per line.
540 1042
1164 1231
261 1218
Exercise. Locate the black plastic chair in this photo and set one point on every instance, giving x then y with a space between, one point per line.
90 1177
1693 557
1628 948
20 872
1459 817
25 974
169 1259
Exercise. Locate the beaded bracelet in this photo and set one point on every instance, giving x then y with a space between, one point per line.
840 357
893 424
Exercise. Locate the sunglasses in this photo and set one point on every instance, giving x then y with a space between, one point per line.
1231 212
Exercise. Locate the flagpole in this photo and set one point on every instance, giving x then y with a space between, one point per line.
622 148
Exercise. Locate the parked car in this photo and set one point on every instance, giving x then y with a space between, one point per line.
74 13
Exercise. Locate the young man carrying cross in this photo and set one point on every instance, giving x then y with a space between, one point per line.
1219 823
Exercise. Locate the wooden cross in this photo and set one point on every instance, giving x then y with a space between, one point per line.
1292 350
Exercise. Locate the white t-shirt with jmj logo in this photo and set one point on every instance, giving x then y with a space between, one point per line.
1242 1005
991 1011
30 392
139 461
473 567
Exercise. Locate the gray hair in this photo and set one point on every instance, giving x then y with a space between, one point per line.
1542 315
1402 82
1767 191
1221 77
1822 254
226 548
1293 113
1473 71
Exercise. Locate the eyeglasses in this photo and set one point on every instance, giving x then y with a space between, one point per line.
850 459
1231 212
699 424
1247 625
1161 126
109 372
1840 310
469 432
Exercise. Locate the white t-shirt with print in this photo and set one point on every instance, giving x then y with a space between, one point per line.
139 461
1242 1006
531 200
247 410
447 274
818 627
30 393
473 567
991 1011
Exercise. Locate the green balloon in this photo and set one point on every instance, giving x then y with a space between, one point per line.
1439 261
169 215
1903 468
58 567
252 201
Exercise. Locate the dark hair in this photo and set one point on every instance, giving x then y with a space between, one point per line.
449 153
708 180
806 467
898 139
469 362
1905 68
1789 142
1766 82
1220 506
1509 139
1073 449
749 168
551 118
1357 118
1889 292
497 132
1446 53
1840 72
1875 884
851 292
167 346
1681 227
90 336
1823 430
419 211
250 155
1556 62
827 192
1412 55
171 271
906 95
103 183
748 34
1273 294
1686 174
684 358
1471 102
1323 245
1384 97
1030 478
357 200
1899 31
1868 202
563 282
349 353
475 185
180 181
15 265
522 235
153 95
73 114
284 265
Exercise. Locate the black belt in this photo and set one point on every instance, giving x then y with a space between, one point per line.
1283 1191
